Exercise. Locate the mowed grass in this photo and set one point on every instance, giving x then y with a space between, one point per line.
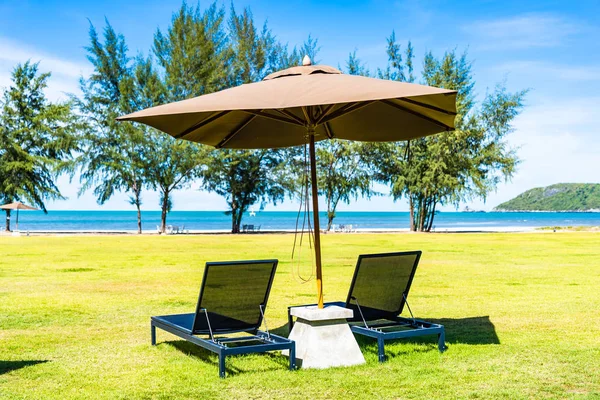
522 317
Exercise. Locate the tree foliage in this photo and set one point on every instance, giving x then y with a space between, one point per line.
453 166
130 157
173 165
113 157
202 51
342 174
582 197
37 139
247 177
206 50
193 54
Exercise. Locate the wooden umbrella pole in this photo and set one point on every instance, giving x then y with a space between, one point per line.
315 199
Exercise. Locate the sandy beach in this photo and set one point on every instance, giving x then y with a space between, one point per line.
465 229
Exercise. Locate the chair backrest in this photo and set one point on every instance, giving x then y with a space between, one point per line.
232 293
381 283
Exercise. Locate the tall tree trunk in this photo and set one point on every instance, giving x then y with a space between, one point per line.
139 218
235 226
330 217
240 215
431 216
138 205
164 210
411 206
7 220
426 216
331 206
422 213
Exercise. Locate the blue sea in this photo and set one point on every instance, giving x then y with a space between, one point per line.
286 220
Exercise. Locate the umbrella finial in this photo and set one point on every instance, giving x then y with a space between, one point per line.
306 61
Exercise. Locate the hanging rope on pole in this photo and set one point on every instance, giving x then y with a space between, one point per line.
303 210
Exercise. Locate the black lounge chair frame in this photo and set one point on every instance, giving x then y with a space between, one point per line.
185 326
387 325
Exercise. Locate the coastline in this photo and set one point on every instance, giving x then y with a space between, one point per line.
592 210
215 222
193 232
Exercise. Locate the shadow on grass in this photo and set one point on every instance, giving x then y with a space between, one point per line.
8 366
209 357
470 330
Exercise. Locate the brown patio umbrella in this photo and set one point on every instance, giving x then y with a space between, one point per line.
302 105
17 205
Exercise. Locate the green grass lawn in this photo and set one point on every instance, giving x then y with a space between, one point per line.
522 317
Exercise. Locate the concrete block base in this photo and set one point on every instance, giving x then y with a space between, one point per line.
323 338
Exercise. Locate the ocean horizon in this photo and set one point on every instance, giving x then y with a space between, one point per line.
125 220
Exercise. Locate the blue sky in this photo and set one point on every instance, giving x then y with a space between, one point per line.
549 47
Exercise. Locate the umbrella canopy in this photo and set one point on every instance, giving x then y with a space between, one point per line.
17 205
303 105
276 112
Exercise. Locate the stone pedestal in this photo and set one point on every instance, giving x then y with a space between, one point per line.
323 337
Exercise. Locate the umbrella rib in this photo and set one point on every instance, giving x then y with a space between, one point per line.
416 103
325 125
291 115
324 113
328 130
345 110
230 136
408 110
272 116
202 123
305 111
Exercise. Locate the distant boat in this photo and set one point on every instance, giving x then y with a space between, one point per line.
252 213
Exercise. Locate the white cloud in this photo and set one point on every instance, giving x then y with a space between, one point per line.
577 73
522 31
65 73
558 142
191 199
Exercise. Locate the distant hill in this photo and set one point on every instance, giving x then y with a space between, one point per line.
559 197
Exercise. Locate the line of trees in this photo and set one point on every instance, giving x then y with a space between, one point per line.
203 51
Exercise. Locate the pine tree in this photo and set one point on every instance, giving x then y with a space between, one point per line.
247 177
113 157
452 166
37 139
194 53
342 171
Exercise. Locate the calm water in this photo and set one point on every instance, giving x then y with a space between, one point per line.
217 220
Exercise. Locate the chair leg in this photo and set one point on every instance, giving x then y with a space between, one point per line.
222 365
152 334
293 357
442 341
381 349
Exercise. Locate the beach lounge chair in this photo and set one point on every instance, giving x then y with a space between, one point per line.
233 298
378 294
